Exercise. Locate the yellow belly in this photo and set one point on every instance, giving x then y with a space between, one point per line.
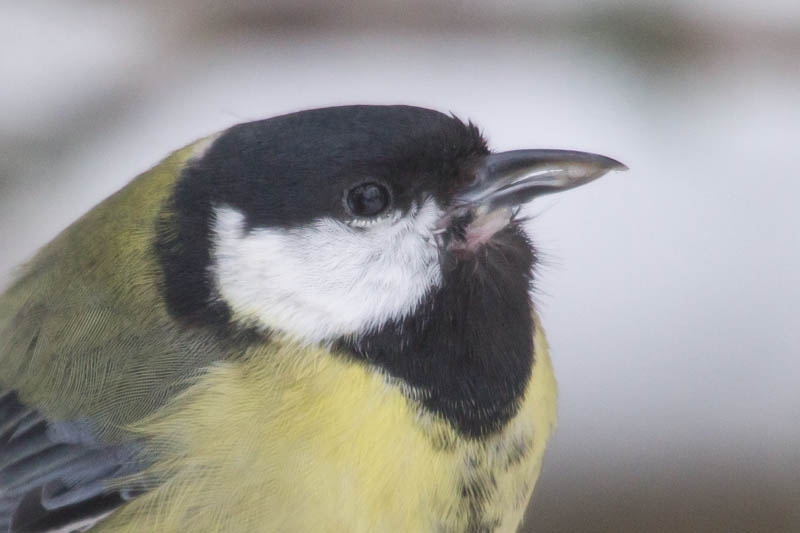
291 440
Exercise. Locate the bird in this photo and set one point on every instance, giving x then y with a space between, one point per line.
319 321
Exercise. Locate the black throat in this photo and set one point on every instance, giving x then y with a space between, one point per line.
469 347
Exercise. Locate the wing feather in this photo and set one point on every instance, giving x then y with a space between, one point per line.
51 478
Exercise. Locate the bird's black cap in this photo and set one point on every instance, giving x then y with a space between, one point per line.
289 170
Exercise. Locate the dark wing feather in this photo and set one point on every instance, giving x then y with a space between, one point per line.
54 476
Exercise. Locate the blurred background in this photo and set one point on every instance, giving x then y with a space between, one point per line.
670 293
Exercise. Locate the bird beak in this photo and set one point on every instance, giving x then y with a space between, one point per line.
510 179
502 182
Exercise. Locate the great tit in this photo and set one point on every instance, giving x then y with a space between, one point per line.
316 322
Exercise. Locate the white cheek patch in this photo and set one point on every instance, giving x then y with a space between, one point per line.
326 279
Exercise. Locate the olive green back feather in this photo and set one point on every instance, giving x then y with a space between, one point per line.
85 325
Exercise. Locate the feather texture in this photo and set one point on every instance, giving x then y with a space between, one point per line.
86 348
53 476
296 439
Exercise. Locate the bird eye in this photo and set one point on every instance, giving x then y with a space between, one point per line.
368 199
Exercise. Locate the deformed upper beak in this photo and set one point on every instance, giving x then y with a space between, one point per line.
513 178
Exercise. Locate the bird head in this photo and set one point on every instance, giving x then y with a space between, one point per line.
332 223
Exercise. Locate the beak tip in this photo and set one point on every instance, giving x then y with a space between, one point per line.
618 166
621 167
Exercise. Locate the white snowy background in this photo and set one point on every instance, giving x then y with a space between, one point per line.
670 293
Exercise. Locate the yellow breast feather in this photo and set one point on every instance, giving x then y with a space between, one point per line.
300 439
